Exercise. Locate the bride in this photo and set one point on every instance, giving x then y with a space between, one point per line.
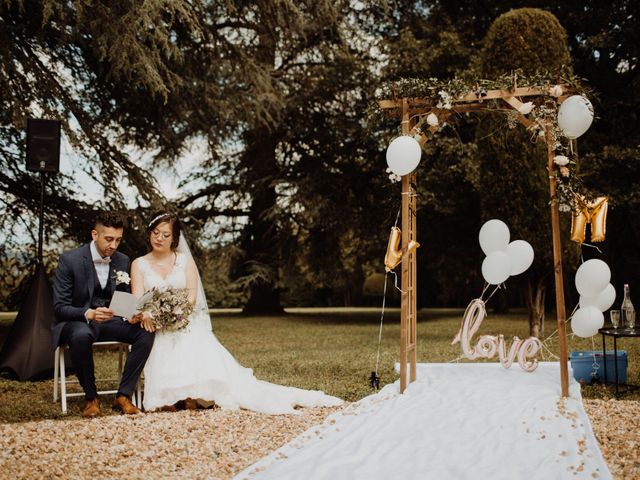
191 364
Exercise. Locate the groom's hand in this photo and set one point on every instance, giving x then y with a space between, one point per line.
100 314
137 318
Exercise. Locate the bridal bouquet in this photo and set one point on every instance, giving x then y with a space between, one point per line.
169 308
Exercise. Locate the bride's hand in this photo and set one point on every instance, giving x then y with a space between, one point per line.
147 322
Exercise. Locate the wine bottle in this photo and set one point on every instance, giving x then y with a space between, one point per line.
627 310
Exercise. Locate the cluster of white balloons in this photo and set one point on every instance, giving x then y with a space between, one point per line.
403 155
596 296
503 259
575 116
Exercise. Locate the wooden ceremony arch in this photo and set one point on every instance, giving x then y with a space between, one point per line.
414 113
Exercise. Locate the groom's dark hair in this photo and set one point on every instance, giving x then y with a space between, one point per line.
174 223
110 219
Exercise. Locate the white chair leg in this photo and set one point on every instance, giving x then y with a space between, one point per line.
60 375
138 393
121 350
56 373
63 383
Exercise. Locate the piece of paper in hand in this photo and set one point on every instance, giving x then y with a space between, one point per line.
124 304
145 298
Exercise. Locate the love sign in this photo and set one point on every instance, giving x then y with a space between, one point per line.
488 345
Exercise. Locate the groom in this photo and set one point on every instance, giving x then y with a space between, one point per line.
84 284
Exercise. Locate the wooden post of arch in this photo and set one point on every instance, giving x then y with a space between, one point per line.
408 302
561 314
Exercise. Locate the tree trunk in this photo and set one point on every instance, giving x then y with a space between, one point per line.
263 300
536 293
261 238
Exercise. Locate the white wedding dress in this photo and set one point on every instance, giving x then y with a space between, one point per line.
193 363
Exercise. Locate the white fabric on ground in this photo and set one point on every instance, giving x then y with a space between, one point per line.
457 421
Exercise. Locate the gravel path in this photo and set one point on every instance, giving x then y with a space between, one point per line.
616 425
217 444
186 444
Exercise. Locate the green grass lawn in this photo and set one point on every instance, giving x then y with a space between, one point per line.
327 349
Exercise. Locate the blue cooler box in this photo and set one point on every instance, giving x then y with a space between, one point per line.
582 366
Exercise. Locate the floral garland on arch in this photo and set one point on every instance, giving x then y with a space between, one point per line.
457 86
541 110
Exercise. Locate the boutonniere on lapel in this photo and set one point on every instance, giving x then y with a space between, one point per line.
121 277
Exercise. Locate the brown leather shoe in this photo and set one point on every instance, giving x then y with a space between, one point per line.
123 404
91 408
167 408
190 404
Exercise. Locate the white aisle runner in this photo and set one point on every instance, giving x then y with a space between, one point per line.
457 421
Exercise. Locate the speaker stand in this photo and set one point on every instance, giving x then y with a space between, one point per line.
27 351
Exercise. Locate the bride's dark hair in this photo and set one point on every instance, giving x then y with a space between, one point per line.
174 223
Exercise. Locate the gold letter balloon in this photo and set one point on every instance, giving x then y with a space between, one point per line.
593 212
394 253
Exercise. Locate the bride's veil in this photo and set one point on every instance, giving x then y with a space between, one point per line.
201 307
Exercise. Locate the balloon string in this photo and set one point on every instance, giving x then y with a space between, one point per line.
384 298
595 366
396 281
544 344
486 286
572 312
550 336
498 287
397 217
553 355
592 246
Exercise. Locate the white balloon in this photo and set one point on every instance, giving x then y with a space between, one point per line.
403 155
494 235
521 255
575 116
587 321
602 301
496 268
592 277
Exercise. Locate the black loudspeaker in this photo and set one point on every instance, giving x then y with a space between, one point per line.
43 145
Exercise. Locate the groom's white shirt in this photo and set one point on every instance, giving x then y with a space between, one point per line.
102 268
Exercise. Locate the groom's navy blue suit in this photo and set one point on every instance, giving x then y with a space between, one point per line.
77 289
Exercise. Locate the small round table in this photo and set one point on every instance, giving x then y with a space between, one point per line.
615 333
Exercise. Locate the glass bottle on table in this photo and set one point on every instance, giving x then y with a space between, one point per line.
627 311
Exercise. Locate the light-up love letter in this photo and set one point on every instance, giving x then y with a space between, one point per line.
488 345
